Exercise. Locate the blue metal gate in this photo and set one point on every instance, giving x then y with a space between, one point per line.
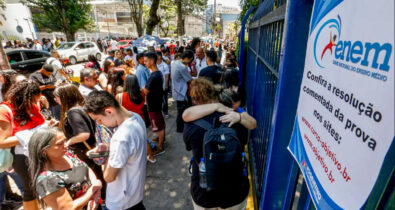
272 75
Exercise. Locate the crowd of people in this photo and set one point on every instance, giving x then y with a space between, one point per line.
85 146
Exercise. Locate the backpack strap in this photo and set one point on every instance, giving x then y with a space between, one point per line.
203 124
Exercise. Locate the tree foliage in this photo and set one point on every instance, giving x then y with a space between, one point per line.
136 13
2 8
167 23
245 5
67 16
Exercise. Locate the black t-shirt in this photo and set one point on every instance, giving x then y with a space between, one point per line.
212 73
77 122
44 80
155 95
193 138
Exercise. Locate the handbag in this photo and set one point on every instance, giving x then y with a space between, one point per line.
6 157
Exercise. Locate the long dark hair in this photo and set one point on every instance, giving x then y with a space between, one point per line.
230 78
115 79
9 76
21 95
93 59
132 88
38 143
69 96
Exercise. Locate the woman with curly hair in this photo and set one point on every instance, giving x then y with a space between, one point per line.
6 77
24 115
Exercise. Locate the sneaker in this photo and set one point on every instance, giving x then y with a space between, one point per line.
158 152
151 160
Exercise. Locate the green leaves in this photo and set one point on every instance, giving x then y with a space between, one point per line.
67 16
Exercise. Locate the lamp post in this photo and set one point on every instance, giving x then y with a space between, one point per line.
28 23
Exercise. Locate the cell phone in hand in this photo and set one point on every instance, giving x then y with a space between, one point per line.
98 154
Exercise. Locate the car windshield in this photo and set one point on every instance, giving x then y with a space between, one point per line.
66 45
121 43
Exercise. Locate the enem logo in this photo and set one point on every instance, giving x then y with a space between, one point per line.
374 55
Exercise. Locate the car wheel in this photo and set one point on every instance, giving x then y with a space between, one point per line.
98 56
72 60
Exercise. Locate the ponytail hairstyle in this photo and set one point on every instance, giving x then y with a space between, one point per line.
228 97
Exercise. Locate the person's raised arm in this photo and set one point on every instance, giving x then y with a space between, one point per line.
199 111
244 119
61 199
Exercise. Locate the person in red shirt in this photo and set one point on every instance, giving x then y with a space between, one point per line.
133 100
21 110
172 46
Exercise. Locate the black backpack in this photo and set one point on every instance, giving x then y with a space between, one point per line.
222 152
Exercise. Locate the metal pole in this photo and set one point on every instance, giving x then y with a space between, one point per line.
108 25
28 23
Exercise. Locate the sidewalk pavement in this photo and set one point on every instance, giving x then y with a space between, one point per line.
167 182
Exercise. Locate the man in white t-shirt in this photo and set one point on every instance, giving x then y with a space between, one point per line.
37 45
57 66
164 68
125 168
113 43
200 59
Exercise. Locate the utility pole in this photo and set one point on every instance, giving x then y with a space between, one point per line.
214 16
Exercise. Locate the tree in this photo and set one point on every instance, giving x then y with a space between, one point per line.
136 13
245 5
153 19
187 7
167 18
67 16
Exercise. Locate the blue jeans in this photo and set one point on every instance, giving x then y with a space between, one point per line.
3 183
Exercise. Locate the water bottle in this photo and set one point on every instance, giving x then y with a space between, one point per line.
202 173
244 160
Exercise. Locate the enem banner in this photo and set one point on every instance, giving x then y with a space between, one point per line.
345 117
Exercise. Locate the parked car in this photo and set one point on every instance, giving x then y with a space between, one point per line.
78 51
139 49
26 61
123 44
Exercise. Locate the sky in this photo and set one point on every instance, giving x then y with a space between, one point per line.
233 3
